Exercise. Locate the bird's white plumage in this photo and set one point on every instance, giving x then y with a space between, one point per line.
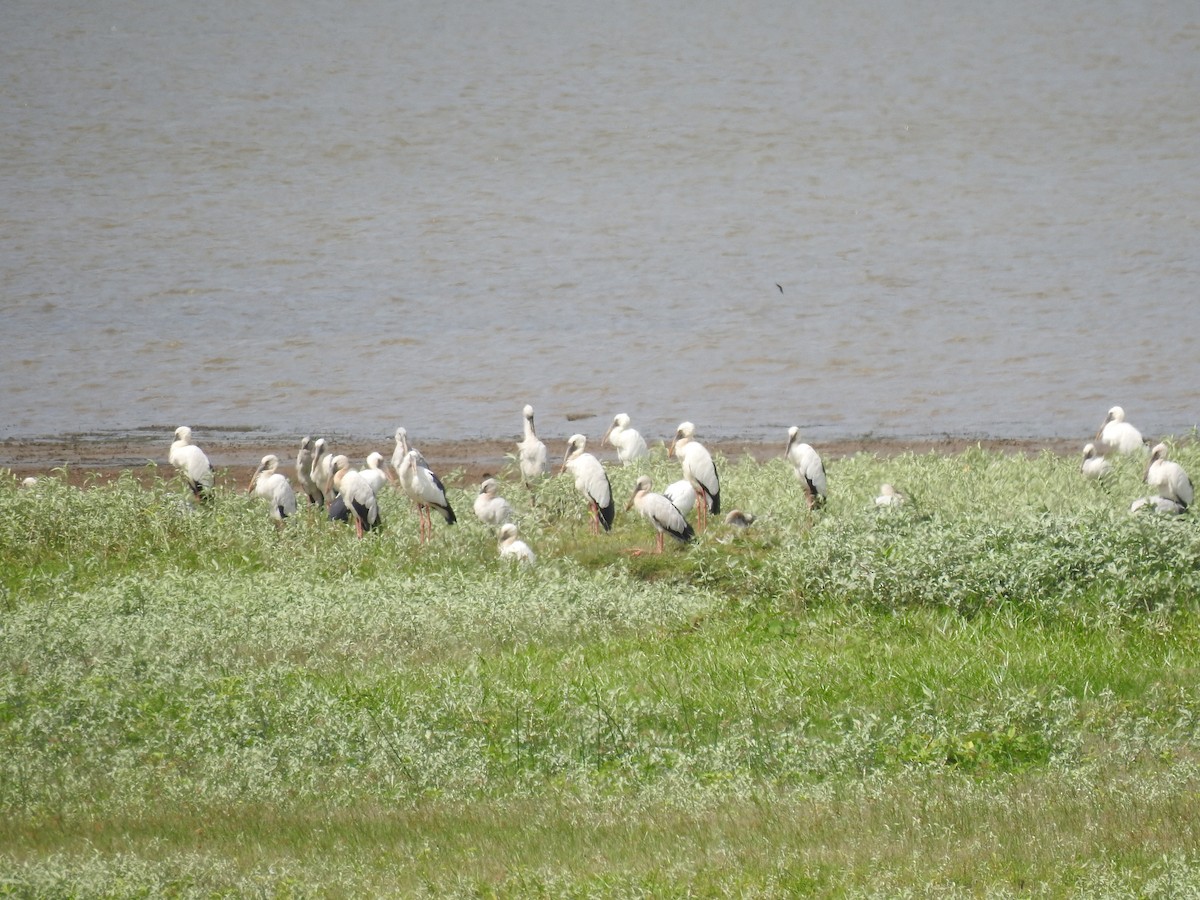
419 482
375 474
304 466
359 496
590 479
531 452
698 466
273 487
1164 505
889 496
512 547
682 494
322 470
630 444
660 512
1094 465
810 470
1169 477
490 507
191 462
1118 435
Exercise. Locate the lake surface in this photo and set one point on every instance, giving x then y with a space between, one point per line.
900 219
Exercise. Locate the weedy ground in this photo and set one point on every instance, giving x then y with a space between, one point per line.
992 690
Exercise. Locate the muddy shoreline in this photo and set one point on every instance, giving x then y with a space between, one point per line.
85 459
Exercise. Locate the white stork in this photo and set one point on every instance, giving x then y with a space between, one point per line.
273 487
358 496
425 489
699 469
1118 435
810 471
531 452
191 462
1164 505
591 482
682 494
629 442
322 471
659 512
490 507
401 451
512 547
1094 465
304 467
889 496
376 472
1169 477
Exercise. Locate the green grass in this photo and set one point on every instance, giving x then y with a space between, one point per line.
990 691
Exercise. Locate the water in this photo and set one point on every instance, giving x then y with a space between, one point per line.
899 219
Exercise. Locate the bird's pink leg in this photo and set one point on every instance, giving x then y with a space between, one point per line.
595 523
658 543
702 512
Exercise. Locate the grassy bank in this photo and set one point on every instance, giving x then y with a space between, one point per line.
991 690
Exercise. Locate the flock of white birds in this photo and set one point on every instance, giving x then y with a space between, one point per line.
329 481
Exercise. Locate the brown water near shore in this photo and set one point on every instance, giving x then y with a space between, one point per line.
84 460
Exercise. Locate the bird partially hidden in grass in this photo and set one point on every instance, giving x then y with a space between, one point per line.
512 547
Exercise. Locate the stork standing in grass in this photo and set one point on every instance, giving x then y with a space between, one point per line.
273 487
376 472
1094 465
1118 435
699 469
531 452
630 444
660 512
425 489
356 492
810 471
591 481
192 463
1169 477
322 472
304 466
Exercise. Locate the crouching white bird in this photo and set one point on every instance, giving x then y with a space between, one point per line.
1094 465
659 512
699 469
889 496
1164 505
591 481
629 442
425 489
490 507
1118 435
512 547
273 487
810 471
358 496
192 463
1169 477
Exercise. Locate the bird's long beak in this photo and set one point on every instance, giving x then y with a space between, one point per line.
632 497
253 478
671 448
604 440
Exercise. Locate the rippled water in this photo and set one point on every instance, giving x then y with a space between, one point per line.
903 219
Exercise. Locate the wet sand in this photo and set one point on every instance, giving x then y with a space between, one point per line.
86 460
